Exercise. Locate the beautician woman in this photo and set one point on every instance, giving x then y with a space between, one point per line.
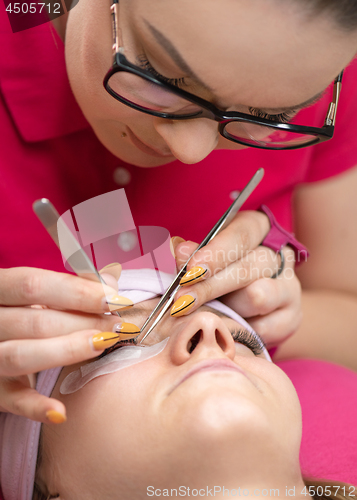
240 70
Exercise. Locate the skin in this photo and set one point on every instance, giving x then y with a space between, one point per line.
273 77
329 300
287 59
251 426
286 70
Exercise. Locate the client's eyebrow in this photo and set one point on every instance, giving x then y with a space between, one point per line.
144 312
136 311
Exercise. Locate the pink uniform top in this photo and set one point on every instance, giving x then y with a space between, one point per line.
48 150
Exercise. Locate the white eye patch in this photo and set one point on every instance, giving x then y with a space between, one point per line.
113 362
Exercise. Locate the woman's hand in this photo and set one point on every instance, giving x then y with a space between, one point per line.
240 270
48 319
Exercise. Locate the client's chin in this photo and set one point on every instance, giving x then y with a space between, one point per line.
214 409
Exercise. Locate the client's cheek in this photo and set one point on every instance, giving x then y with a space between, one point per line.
242 350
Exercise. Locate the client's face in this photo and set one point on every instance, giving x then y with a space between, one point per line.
205 411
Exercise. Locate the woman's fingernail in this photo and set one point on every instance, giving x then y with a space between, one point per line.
116 302
110 265
127 331
103 340
55 417
182 305
175 240
193 275
115 269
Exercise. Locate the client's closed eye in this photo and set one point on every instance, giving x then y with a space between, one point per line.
240 335
247 338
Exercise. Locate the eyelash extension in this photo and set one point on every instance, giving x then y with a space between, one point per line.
38 494
247 338
144 63
116 346
280 118
240 335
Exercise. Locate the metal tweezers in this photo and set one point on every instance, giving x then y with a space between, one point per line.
83 267
168 297
78 260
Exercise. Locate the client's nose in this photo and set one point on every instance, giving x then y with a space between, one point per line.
204 335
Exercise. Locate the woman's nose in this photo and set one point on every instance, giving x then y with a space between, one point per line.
190 141
204 336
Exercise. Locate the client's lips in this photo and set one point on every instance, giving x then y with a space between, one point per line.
145 148
210 365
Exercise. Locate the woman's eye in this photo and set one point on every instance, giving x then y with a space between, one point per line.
279 118
145 64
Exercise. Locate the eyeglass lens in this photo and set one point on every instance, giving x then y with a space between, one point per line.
254 134
148 96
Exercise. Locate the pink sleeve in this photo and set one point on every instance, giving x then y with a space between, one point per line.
340 153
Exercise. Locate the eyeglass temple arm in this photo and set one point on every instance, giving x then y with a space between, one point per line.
116 30
331 113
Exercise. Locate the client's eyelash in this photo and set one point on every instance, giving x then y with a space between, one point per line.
38 494
247 338
240 335
281 117
116 346
145 64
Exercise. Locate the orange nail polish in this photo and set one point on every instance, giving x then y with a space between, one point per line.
193 276
127 331
55 417
114 269
182 305
117 302
103 340
110 265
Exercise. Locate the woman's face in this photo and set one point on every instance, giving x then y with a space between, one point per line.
205 411
265 55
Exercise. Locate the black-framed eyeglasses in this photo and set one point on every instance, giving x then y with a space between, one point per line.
141 90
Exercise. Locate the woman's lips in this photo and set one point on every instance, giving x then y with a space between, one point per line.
210 365
146 149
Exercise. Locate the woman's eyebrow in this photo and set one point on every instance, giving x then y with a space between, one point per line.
168 46
175 55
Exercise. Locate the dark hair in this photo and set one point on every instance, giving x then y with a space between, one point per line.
343 12
338 490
